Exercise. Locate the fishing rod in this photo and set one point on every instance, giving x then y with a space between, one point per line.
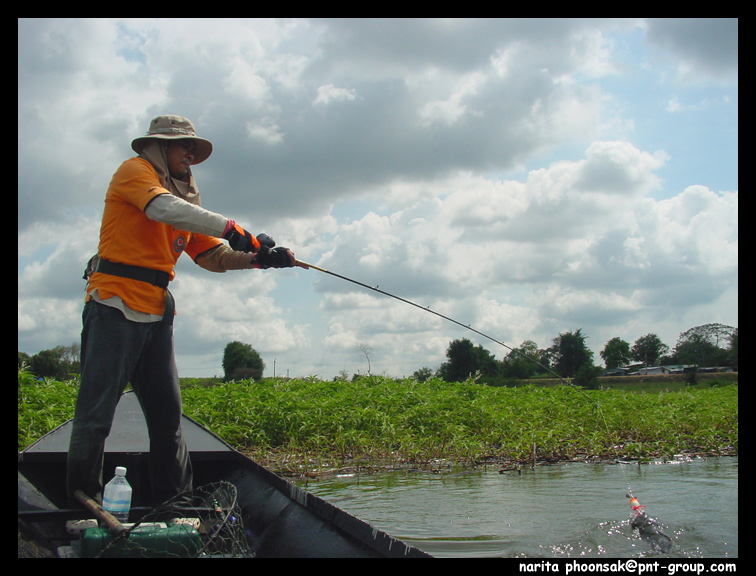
306 265
428 309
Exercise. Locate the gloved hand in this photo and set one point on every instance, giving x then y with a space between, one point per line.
239 239
274 258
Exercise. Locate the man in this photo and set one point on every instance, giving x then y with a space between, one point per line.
152 215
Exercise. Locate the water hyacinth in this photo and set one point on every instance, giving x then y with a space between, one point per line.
383 419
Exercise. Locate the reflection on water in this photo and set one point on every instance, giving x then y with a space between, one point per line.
569 510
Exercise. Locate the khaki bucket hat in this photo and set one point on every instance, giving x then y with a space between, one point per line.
174 128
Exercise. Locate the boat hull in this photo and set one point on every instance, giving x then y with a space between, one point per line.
281 519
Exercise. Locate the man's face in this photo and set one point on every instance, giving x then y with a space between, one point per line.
180 158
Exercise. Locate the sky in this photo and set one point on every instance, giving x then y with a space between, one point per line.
526 177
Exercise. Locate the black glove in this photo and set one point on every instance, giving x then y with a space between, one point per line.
273 258
239 239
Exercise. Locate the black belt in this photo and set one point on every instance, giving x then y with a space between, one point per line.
155 277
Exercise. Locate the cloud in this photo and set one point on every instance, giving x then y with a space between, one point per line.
329 93
526 176
249 87
585 238
703 48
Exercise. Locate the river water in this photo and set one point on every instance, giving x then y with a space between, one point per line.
572 510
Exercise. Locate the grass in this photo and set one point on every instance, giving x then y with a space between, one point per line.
42 406
381 419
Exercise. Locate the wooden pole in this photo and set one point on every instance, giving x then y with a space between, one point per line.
100 513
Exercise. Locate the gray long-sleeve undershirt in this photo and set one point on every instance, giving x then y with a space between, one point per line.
169 209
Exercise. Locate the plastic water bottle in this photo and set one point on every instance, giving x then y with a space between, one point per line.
116 498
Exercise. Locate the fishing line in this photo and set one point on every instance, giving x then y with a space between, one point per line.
491 338
428 309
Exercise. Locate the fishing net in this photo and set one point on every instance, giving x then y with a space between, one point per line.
203 523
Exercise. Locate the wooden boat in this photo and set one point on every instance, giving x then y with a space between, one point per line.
281 519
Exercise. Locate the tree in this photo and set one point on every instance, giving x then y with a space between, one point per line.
61 362
423 374
461 362
241 362
587 376
466 360
517 363
570 353
733 350
648 349
486 362
71 357
616 352
713 333
701 345
48 364
366 349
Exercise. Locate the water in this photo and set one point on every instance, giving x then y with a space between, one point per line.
572 510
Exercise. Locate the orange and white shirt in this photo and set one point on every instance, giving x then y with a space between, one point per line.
128 236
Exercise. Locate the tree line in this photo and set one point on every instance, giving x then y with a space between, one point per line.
59 363
240 362
570 357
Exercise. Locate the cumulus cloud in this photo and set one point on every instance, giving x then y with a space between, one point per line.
584 236
520 175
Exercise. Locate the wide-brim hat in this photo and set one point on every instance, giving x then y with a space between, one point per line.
174 128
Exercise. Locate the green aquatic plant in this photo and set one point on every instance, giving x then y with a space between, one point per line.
384 418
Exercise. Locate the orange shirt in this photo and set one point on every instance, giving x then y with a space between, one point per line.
127 236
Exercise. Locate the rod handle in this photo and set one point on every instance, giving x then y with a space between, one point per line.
307 266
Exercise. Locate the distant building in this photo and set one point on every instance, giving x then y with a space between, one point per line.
618 371
640 370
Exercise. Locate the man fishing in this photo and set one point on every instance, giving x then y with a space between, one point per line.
152 215
647 528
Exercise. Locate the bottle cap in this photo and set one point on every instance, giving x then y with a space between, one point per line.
120 471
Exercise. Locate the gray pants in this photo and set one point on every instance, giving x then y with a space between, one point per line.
114 352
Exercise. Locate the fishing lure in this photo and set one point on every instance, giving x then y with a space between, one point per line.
647 527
